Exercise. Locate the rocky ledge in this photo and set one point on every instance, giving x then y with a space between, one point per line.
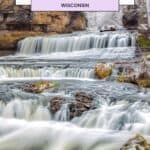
139 76
17 22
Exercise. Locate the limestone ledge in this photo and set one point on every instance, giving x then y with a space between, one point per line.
9 39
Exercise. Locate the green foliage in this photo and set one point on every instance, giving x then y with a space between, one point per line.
146 53
143 42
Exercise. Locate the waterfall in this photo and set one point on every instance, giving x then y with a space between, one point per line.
73 109
148 11
10 72
71 69
74 42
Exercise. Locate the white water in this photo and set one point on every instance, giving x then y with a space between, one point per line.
26 121
69 43
148 11
108 127
10 72
54 136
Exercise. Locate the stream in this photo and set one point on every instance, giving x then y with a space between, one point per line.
119 110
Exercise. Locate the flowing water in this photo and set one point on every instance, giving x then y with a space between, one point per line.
119 110
74 42
148 11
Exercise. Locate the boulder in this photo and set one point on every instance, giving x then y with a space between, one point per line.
38 87
82 102
137 143
103 70
56 103
140 77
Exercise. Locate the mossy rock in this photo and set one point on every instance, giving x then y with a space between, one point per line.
143 42
124 78
144 83
141 82
39 86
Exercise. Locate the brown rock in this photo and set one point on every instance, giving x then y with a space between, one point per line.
56 103
38 87
103 70
82 103
137 143
140 77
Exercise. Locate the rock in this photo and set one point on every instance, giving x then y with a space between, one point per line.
22 18
9 39
137 143
21 22
103 70
78 21
130 19
134 16
84 98
38 87
56 103
6 4
82 102
140 77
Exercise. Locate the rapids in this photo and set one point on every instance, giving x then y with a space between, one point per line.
118 116
119 110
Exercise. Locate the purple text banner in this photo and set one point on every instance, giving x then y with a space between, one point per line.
75 5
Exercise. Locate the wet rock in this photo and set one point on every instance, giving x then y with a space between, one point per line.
9 39
38 87
103 70
84 98
137 143
82 102
56 103
140 77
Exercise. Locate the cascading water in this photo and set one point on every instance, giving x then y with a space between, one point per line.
148 11
106 127
10 72
47 45
77 114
